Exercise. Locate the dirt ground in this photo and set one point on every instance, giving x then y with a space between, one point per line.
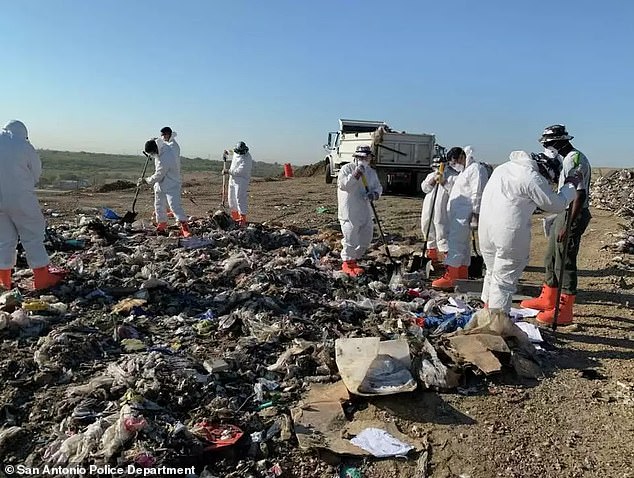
564 425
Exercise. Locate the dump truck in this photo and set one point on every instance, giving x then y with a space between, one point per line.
402 159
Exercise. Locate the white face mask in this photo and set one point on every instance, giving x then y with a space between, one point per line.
457 166
551 152
363 162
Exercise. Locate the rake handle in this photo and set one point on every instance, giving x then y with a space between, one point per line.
376 218
563 264
138 188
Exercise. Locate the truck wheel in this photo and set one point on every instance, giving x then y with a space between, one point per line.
328 174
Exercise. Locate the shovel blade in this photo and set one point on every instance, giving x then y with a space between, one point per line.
476 267
129 217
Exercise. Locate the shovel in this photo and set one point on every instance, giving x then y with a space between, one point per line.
561 269
395 269
130 216
477 262
224 180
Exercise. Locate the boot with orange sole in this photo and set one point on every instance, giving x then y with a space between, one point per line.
5 278
547 317
351 268
43 278
161 228
432 254
448 280
185 232
545 301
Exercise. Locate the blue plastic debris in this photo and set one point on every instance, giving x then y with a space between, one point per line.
110 214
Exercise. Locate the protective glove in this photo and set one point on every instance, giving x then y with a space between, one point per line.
574 179
373 195
474 222
360 171
140 182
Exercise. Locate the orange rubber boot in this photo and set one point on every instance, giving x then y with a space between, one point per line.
547 317
44 279
448 280
242 220
463 272
432 254
545 301
235 215
5 278
350 268
161 227
358 269
185 232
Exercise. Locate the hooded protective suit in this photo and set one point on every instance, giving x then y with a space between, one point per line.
514 191
175 146
438 231
20 213
464 200
354 210
239 178
167 183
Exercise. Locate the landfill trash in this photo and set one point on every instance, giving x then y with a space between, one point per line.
371 367
348 471
320 423
150 338
614 192
217 436
380 443
430 370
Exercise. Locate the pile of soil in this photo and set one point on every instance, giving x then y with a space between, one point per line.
310 170
118 185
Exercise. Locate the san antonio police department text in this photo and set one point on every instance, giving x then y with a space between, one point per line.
103 470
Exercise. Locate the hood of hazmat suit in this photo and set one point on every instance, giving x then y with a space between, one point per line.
515 189
167 171
241 167
466 192
352 198
20 165
175 146
20 213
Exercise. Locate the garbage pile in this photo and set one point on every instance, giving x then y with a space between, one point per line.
616 193
203 352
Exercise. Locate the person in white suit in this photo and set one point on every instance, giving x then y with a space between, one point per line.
357 185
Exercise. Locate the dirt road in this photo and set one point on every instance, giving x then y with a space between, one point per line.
564 425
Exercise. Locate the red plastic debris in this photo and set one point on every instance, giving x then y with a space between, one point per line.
219 436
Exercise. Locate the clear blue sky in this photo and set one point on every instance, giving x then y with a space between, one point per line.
106 75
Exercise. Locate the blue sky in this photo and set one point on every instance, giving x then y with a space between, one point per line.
105 76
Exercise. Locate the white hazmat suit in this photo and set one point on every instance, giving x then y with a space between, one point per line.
20 214
437 238
464 201
239 178
166 181
175 146
354 210
514 191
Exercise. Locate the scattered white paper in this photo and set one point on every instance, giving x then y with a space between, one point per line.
455 306
531 330
519 314
380 443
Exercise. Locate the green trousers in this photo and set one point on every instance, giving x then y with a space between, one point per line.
554 253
